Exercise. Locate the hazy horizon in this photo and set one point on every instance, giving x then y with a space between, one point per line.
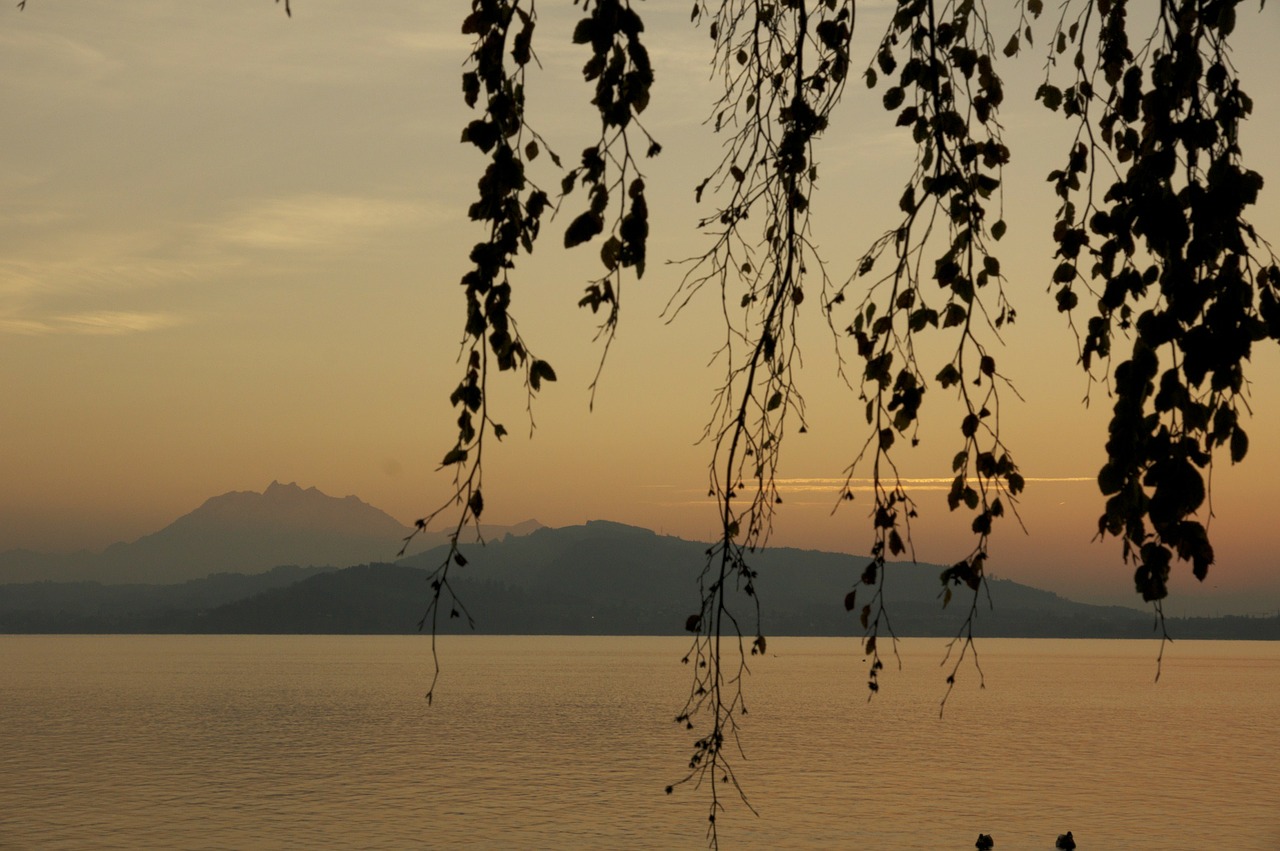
287 524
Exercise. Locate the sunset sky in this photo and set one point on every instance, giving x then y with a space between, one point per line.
230 246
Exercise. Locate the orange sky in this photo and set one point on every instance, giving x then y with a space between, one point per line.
229 253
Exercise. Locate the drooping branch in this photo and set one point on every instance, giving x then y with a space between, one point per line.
620 68
783 67
1152 227
510 207
940 60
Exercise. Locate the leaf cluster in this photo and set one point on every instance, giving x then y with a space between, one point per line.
1174 269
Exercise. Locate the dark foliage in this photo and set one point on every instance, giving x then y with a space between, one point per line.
1151 227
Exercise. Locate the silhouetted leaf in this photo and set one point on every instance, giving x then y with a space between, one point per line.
610 252
1051 96
540 371
1239 445
583 228
949 375
896 547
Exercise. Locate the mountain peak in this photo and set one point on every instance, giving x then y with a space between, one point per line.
291 505
242 531
276 489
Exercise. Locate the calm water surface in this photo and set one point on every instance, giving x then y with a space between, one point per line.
250 742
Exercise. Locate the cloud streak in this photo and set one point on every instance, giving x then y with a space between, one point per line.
92 323
915 483
319 221
828 491
48 282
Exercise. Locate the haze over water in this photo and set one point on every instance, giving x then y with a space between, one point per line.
267 742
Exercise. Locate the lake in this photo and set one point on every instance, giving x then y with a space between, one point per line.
247 742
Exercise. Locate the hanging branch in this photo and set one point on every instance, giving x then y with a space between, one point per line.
1170 260
619 67
947 94
783 68
511 208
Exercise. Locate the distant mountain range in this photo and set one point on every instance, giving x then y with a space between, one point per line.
243 532
599 578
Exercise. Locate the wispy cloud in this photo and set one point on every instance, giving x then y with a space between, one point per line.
70 280
828 490
24 326
88 283
93 323
116 322
56 50
318 220
914 483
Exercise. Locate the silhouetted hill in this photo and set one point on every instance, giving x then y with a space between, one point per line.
601 578
94 607
574 579
241 531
